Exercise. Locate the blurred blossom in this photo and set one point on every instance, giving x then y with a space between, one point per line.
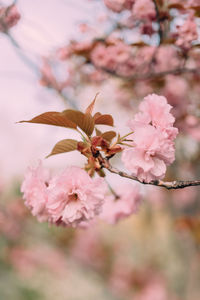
155 290
183 198
156 196
127 203
121 280
143 9
88 248
29 260
166 58
192 126
119 5
9 17
175 90
187 33
34 189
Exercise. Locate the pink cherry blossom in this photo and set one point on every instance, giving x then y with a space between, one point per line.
111 57
119 5
152 147
34 189
127 204
67 199
155 110
187 33
166 58
74 197
176 91
193 4
192 127
9 16
144 9
98 56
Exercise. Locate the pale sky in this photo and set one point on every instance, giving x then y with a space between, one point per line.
44 25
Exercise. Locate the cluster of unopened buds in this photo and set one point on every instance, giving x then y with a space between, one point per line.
77 198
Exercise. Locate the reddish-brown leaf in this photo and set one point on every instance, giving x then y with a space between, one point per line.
83 121
109 135
88 124
66 145
98 114
98 132
52 118
104 120
91 106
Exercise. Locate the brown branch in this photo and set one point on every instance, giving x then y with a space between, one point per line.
160 32
152 75
168 185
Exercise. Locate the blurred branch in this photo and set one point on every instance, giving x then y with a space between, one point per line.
160 32
168 185
35 68
152 75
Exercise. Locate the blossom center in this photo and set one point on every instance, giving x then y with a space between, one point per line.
73 197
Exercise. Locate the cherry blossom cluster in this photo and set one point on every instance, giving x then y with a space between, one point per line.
140 8
117 57
187 33
153 140
9 17
75 197
146 53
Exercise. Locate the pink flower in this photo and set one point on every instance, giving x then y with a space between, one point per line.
111 57
176 90
127 204
187 33
9 16
119 5
152 147
166 58
115 5
98 56
67 199
155 109
144 9
193 4
34 188
87 248
192 127
74 197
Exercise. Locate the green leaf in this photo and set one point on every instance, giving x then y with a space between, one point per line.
63 146
52 118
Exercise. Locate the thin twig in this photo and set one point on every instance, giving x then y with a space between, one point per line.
113 191
179 184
